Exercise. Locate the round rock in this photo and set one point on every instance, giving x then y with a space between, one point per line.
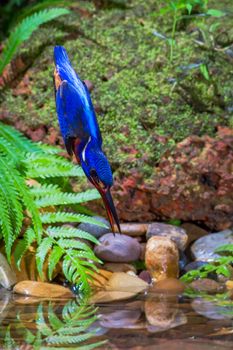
206 285
118 248
162 258
95 230
176 234
7 275
204 248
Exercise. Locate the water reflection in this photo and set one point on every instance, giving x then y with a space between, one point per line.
142 323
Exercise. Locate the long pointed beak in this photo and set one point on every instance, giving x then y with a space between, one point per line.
110 208
109 205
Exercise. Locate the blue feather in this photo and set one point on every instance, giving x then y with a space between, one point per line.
74 106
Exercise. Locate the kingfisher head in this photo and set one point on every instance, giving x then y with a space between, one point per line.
96 167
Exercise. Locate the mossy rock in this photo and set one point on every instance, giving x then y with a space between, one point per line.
146 102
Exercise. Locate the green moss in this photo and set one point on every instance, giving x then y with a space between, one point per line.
138 90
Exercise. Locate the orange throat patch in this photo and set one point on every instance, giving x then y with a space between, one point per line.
57 79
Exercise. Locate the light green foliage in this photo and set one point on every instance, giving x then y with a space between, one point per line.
177 8
43 200
220 266
24 30
69 328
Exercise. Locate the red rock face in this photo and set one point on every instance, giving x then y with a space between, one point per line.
193 183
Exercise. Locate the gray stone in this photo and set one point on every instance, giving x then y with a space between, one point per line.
204 248
176 234
206 285
95 230
7 275
118 248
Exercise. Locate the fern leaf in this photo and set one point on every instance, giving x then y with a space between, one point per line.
18 142
75 244
45 190
7 149
69 232
6 225
50 218
63 339
44 166
42 251
67 198
23 245
40 322
54 321
54 259
24 30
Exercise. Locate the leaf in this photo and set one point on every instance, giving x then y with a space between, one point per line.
24 30
67 198
204 71
215 13
23 245
41 253
54 259
226 248
49 218
189 8
69 232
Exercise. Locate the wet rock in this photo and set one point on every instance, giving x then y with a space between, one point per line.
229 285
123 282
119 267
176 234
41 290
206 285
5 297
108 296
194 232
133 229
170 286
100 278
118 248
210 309
162 258
194 265
95 230
145 276
204 248
183 260
7 275
143 251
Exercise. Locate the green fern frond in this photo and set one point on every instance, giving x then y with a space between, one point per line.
36 7
61 216
67 198
19 143
44 190
45 166
67 339
24 30
41 253
23 245
70 232
54 259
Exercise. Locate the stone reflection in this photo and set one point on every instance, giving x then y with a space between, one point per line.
162 313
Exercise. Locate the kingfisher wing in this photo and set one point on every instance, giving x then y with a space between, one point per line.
74 101
69 110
